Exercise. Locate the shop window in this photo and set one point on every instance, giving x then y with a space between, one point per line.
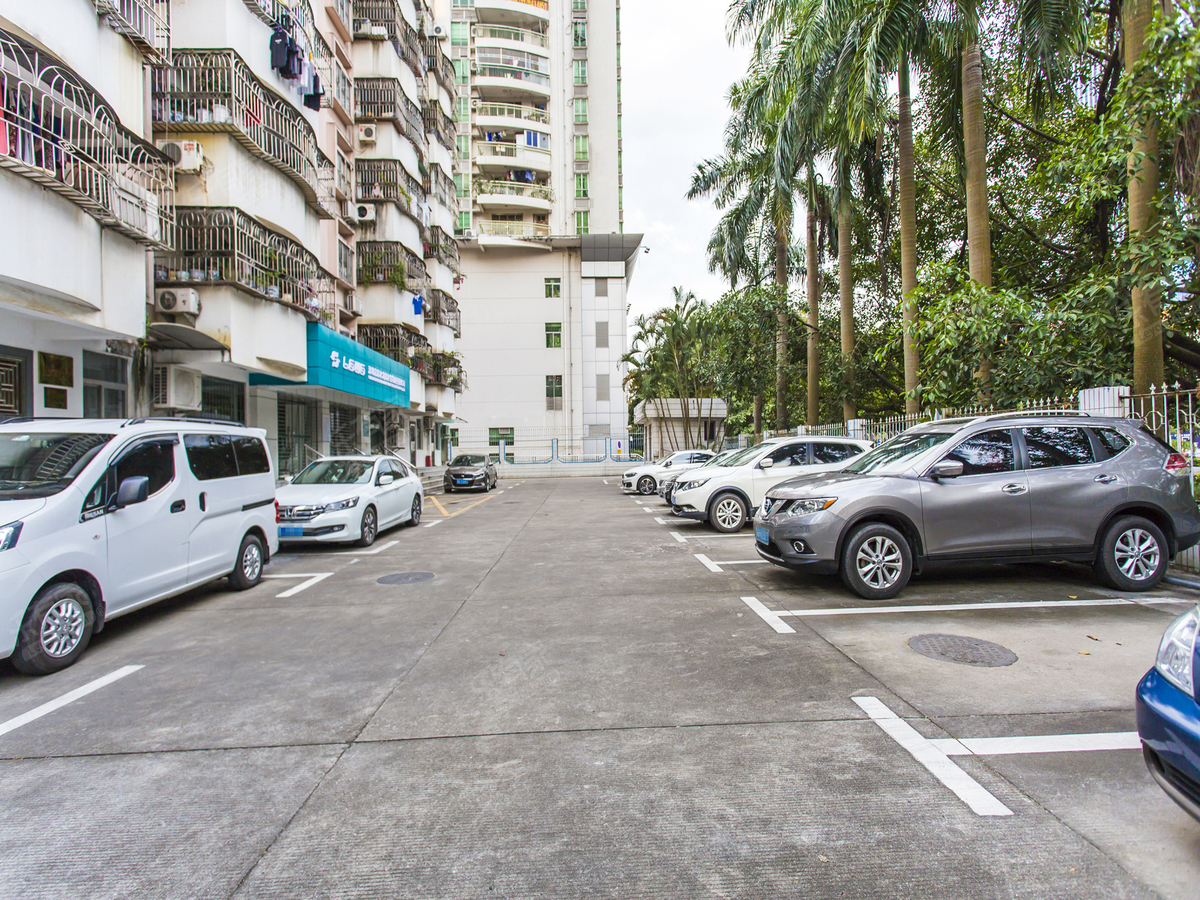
105 386
222 399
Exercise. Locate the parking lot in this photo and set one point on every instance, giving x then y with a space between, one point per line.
559 690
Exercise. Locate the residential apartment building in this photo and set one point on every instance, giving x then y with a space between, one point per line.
540 222
265 236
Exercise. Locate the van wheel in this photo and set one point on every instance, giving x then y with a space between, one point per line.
876 561
370 527
1133 555
728 513
56 630
248 571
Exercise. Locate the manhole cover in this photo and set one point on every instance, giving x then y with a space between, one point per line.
406 578
967 651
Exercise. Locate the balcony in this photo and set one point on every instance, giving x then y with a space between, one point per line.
215 245
390 262
439 125
341 13
440 307
396 342
504 74
338 87
511 156
488 34
382 99
440 246
505 115
146 24
58 132
440 186
512 229
437 62
387 179
513 12
513 195
448 372
215 91
387 14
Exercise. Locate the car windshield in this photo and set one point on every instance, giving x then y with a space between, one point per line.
720 459
898 452
468 460
33 466
337 471
745 456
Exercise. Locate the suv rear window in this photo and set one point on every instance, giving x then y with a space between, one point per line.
1051 447
1111 441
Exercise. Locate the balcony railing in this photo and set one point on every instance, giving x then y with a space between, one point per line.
514 189
326 181
336 85
535 155
439 124
394 341
441 186
216 245
439 64
512 229
55 130
513 111
440 307
390 262
379 99
448 372
387 179
440 246
499 32
215 91
146 23
386 13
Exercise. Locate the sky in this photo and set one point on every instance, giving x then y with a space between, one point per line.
677 68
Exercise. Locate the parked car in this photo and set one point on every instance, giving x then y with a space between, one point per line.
644 479
666 484
728 496
470 471
99 517
349 499
1168 716
1003 488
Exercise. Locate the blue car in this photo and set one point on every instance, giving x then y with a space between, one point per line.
1168 716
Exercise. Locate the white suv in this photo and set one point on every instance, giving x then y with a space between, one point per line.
644 479
728 495
101 516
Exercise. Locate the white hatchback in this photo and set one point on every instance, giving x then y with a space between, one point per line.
349 498
728 495
644 479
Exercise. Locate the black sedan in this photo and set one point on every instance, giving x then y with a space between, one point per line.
469 471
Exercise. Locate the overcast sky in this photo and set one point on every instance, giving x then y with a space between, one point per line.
677 69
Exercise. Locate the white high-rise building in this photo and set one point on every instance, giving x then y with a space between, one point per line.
546 263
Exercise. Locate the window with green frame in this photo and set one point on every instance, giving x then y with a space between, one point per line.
581 71
464 146
466 4
463 109
579 4
581 146
460 34
581 111
581 222
580 30
462 71
553 288
581 185
464 222
508 435
462 184
553 335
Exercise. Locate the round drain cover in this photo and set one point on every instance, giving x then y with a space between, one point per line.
967 651
406 578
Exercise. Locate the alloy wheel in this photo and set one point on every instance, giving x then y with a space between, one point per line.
646 485
251 562
1137 554
416 511
728 513
62 627
879 562
368 525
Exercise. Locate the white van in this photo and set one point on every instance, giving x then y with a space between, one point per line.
100 516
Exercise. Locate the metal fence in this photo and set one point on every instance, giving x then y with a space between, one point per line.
537 446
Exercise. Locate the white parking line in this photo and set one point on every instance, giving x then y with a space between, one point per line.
303 586
1042 743
661 521
772 619
679 537
709 564
388 546
966 788
638 502
435 522
961 607
69 697
606 481
647 509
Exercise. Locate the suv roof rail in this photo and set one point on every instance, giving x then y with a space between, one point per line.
194 421
1030 414
16 420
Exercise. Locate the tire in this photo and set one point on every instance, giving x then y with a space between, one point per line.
728 513
247 571
369 529
414 516
646 485
1133 556
876 561
56 630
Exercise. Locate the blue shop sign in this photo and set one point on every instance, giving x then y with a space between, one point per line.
337 362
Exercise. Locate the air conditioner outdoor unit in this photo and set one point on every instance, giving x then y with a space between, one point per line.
362 26
354 304
378 31
177 300
368 134
365 212
474 103
435 31
176 387
188 156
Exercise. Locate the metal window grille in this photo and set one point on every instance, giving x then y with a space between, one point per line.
346 271
146 23
57 131
402 35
221 399
297 421
393 341
387 179
343 429
215 91
391 261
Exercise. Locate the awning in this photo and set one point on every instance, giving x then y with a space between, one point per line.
172 336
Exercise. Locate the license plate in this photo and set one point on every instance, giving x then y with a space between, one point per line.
761 535
460 481
290 532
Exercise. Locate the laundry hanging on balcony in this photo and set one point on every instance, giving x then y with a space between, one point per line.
313 98
418 305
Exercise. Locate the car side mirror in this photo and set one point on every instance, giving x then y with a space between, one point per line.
132 490
385 479
667 464
767 463
947 468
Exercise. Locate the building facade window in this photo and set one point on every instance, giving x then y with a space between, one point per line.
508 435
602 388
554 392
463 109
462 71
581 146
581 110
601 335
601 287
579 4
581 71
464 222
580 29
553 335
462 184
460 34
581 222
105 386
464 146
553 287
581 185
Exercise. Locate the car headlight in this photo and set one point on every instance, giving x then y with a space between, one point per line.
342 504
688 485
9 535
807 507
1177 649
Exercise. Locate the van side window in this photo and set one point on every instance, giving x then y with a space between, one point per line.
210 456
154 459
251 455
1052 447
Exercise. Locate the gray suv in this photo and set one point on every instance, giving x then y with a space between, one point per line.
1009 488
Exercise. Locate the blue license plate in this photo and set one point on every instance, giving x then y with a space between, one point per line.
290 532
761 535
460 481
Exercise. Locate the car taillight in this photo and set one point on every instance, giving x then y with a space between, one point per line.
276 512
1176 463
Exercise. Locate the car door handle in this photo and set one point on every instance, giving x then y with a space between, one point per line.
1014 488
1106 479
204 503
178 506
